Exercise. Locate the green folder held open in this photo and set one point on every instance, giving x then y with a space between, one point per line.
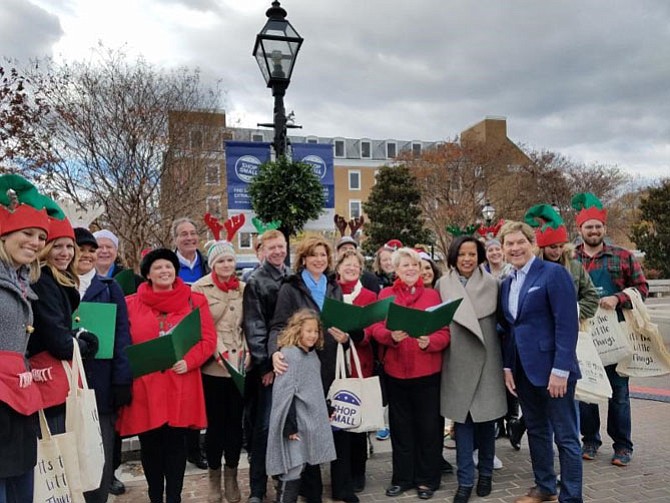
99 318
416 322
163 352
348 317
126 280
238 375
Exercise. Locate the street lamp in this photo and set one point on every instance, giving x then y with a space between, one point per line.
276 50
488 212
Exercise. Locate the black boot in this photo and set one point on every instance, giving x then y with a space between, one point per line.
288 490
462 494
484 485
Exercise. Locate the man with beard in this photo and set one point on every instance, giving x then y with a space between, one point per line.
612 269
260 298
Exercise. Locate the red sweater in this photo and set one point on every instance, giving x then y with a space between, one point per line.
405 360
167 397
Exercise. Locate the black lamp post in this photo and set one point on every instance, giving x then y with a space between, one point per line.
488 213
276 50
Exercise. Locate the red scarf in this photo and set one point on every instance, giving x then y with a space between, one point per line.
407 295
167 301
347 286
232 284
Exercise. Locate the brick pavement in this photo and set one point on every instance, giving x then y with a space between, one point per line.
646 479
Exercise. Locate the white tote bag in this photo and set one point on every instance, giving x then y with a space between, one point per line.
357 401
57 468
610 341
594 386
81 418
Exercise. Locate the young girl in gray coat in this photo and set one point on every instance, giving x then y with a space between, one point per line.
300 432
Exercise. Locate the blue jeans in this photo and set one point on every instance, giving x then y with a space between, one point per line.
543 415
618 415
469 436
17 489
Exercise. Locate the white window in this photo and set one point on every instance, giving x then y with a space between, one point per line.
214 206
312 140
416 149
354 208
339 148
391 149
245 240
212 175
196 139
256 137
354 179
366 149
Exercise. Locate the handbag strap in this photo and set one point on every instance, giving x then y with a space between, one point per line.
44 426
76 373
340 364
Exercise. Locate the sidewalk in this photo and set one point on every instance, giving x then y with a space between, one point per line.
646 479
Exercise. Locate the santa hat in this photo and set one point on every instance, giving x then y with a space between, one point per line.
22 206
549 226
588 207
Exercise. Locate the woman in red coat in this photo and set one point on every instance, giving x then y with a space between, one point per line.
413 367
349 267
166 404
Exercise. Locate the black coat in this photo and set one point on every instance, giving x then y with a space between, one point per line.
258 306
103 375
293 296
52 314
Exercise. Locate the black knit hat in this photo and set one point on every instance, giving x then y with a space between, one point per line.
85 237
157 254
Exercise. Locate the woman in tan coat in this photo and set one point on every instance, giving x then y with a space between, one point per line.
472 389
223 400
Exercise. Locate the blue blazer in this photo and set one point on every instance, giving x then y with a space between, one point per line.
544 334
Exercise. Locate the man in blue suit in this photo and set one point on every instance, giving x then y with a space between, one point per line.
538 306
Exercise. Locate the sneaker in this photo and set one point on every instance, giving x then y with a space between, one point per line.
589 452
622 457
383 434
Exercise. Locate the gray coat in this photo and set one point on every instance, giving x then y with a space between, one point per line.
302 383
472 369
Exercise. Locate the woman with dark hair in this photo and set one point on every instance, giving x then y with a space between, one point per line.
312 282
166 404
472 391
430 273
412 367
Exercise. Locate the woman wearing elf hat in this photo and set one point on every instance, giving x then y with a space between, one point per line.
23 233
166 404
551 237
224 402
58 298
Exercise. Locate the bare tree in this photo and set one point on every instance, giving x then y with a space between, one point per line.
111 133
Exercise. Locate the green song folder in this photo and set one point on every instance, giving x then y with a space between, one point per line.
348 317
163 352
99 318
126 280
238 374
416 322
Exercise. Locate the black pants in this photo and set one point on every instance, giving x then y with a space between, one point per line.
163 454
359 453
225 406
416 426
257 475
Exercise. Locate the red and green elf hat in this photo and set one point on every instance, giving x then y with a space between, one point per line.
588 207
549 226
22 206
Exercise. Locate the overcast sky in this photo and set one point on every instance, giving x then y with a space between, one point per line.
589 79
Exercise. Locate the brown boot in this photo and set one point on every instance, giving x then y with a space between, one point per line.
230 488
214 491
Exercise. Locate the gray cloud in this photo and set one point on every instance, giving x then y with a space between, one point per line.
26 30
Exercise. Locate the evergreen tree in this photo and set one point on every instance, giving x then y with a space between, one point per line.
393 210
289 192
652 233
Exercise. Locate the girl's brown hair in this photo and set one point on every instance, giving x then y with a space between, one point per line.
290 336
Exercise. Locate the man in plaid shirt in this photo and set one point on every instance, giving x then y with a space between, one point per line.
612 269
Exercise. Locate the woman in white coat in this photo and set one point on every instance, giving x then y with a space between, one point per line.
472 388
